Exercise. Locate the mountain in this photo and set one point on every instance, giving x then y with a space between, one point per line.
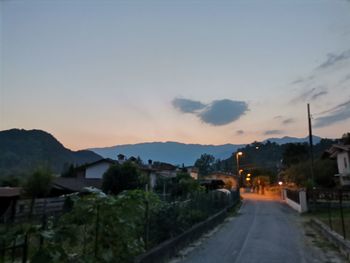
180 153
169 152
288 139
22 151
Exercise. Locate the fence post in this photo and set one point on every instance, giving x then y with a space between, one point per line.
329 212
25 249
341 212
97 229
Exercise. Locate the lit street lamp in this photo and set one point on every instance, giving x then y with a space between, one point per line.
238 154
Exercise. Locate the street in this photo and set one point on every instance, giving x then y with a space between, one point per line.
265 230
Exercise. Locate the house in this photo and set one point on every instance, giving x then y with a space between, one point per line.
96 169
342 154
193 171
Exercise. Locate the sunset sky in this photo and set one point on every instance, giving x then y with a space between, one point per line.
101 73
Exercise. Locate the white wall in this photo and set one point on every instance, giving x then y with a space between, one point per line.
96 171
341 164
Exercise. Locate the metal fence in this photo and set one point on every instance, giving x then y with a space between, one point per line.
293 195
332 207
18 243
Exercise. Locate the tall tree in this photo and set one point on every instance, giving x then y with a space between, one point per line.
205 164
121 177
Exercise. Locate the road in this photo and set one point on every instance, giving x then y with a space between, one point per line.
266 230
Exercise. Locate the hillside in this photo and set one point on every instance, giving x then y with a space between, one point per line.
22 151
179 153
170 152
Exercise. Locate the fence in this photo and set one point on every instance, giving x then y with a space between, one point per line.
118 228
332 207
296 199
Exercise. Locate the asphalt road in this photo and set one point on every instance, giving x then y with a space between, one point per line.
266 230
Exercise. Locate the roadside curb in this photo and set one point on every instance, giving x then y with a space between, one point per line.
333 237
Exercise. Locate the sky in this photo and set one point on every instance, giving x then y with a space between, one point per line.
102 73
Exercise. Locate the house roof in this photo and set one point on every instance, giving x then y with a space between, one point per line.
75 184
338 148
10 191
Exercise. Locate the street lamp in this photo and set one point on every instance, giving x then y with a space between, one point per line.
238 154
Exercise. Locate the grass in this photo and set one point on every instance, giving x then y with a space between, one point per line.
332 218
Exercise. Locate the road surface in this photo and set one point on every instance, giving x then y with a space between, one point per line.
266 230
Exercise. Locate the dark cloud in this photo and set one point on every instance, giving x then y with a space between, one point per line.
336 114
333 59
221 112
288 121
239 132
273 132
188 106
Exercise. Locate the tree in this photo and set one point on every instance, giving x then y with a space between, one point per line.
295 153
205 164
121 177
345 139
38 184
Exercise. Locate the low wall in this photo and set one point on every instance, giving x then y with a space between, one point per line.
301 207
169 249
333 237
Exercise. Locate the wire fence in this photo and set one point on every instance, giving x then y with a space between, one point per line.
111 230
332 207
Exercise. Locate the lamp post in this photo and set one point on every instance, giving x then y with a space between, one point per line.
238 154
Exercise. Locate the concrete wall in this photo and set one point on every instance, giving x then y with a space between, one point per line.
96 171
343 162
302 207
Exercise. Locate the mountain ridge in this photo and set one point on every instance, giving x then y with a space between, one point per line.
182 153
22 151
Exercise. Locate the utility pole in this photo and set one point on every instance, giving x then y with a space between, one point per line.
311 145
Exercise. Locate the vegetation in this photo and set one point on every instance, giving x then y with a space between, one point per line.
21 152
205 164
113 228
120 177
38 184
182 186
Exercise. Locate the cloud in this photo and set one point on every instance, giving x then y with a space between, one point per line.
319 94
239 132
221 112
218 112
336 114
333 59
288 121
187 106
310 95
273 132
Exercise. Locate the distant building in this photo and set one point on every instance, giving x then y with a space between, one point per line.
342 154
229 180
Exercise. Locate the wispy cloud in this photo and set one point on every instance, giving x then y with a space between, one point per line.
221 112
333 59
218 112
187 105
336 114
239 132
273 132
310 95
318 94
288 121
